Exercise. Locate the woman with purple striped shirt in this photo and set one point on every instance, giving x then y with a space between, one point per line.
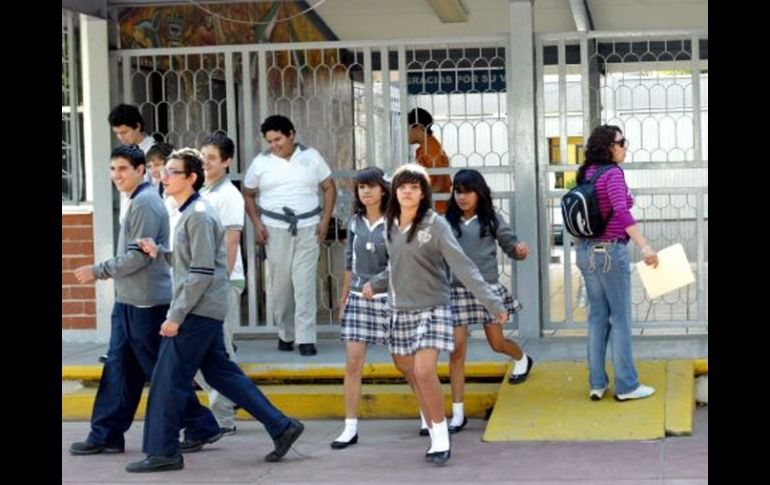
604 263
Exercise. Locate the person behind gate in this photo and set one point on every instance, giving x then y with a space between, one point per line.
286 178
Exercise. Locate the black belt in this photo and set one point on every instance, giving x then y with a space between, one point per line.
290 216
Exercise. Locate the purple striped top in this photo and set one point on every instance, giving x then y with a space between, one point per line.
613 192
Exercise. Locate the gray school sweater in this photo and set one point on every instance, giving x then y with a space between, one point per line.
365 253
199 262
483 251
139 279
418 278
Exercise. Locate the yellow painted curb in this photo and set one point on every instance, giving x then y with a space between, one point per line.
701 367
680 397
319 401
278 373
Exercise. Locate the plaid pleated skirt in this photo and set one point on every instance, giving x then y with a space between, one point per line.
366 320
468 309
432 328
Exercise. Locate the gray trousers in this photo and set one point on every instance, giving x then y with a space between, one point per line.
220 406
291 288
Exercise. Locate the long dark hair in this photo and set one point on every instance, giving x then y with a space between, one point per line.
469 180
371 176
408 174
598 148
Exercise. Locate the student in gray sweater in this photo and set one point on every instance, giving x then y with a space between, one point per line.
364 321
418 242
194 337
142 296
478 227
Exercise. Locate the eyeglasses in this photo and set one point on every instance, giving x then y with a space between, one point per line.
623 143
168 172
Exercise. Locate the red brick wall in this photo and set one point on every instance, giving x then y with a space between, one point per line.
78 302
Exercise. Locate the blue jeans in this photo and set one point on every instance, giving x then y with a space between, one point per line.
607 274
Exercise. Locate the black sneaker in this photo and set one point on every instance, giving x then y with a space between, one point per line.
307 349
285 346
227 431
88 448
156 463
284 441
191 446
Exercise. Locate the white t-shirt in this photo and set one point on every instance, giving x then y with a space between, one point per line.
228 202
291 183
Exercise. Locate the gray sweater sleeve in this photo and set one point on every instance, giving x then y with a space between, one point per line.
465 270
506 238
142 222
203 250
380 280
349 245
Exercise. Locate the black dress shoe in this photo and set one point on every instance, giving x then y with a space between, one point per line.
190 446
285 346
457 429
339 445
307 349
519 378
88 448
156 463
284 441
439 457
424 432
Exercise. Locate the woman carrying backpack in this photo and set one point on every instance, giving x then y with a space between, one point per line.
604 264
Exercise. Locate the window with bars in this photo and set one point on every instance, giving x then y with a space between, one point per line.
72 169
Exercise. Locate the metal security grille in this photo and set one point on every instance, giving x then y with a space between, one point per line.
72 173
348 100
654 86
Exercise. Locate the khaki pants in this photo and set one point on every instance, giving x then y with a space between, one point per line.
291 286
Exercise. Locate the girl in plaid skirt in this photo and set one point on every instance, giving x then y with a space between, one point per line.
477 227
419 242
364 320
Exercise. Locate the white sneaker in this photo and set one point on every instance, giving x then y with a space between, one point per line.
597 394
640 392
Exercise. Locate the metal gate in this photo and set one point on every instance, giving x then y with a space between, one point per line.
348 100
654 85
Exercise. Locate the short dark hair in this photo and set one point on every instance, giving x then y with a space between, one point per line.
193 163
223 143
422 117
126 114
132 153
277 123
159 150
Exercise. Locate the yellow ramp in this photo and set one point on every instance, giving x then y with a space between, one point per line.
680 397
553 405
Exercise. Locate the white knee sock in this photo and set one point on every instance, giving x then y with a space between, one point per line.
423 423
520 367
351 429
439 437
458 414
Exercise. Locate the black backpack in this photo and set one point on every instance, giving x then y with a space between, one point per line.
580 208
